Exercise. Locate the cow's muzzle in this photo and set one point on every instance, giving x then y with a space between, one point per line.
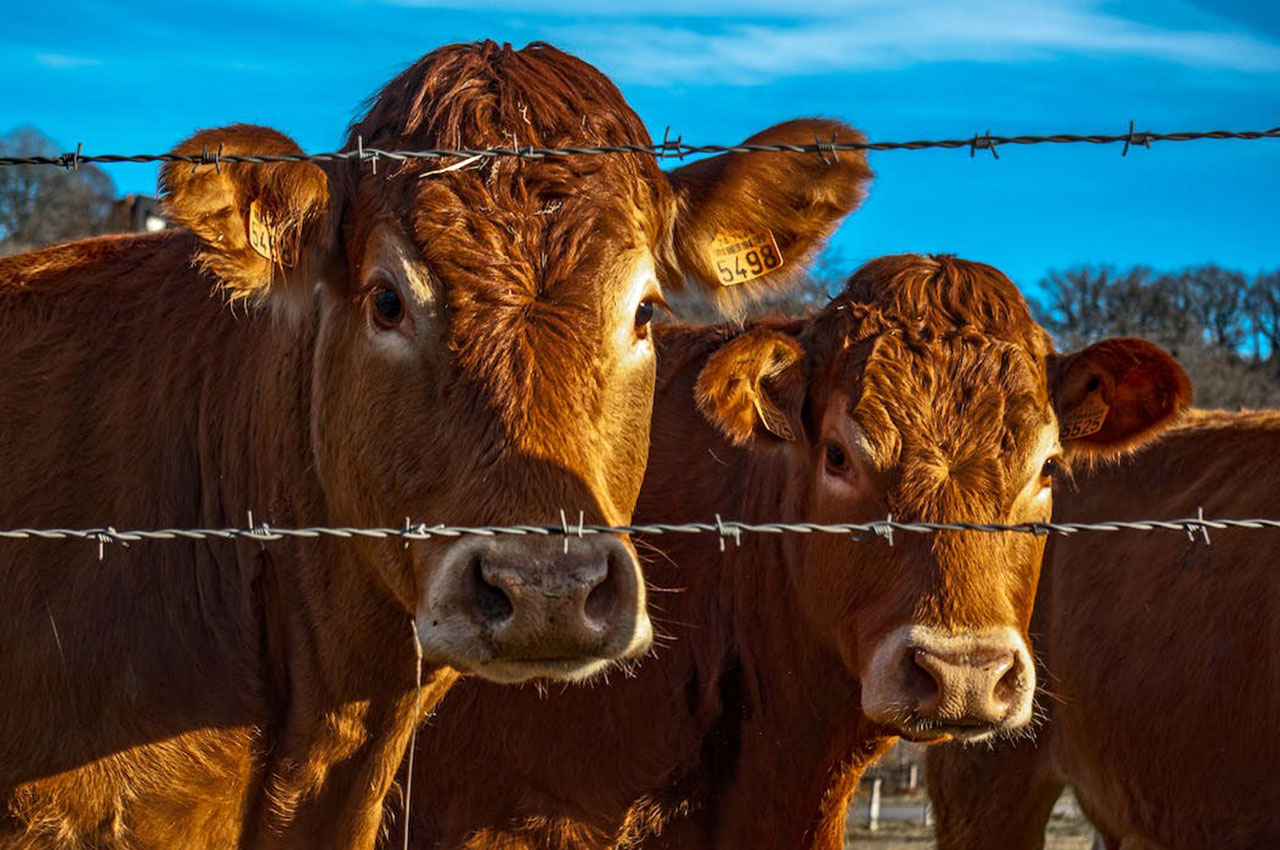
511 609
933 684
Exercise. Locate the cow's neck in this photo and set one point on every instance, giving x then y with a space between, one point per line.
341 668
802 740
758 667
218 669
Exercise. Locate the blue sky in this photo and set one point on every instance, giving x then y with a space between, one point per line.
138 77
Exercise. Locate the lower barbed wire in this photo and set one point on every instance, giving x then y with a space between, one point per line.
266 534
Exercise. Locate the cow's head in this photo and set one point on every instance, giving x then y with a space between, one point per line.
481 327
926 392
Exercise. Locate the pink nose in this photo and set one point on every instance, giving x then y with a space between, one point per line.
964 689
511 609
968 683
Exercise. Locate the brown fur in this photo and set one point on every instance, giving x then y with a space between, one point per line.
1163 662
744 729
214 694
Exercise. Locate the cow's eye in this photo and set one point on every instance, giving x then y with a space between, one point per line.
644 314
1052 470
388 309
837 459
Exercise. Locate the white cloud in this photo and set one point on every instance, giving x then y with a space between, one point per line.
754 40
62 60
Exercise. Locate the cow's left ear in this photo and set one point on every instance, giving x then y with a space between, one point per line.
748 223
262 226
1115 395
754 385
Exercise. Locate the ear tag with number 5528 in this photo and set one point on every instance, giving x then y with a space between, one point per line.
743 255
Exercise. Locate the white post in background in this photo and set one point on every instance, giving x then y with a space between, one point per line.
913 777
873 816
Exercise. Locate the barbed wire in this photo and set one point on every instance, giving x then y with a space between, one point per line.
725 529
668 149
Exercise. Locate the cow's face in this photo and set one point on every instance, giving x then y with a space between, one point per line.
926 393
482 329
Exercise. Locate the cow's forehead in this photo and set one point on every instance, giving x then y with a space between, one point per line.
944 372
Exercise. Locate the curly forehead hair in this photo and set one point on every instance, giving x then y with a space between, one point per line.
486 95
941 295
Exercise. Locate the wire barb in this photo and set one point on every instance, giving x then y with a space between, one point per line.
671 147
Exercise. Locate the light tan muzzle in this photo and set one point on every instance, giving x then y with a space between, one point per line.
930 683
511 609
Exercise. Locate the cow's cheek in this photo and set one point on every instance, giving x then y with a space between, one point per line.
373 420
620 437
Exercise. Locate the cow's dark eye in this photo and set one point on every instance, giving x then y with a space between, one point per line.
388 309
1051 471
644 314
837 459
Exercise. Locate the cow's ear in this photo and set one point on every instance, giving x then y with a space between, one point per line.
262 226
751 222
754 385
1115 395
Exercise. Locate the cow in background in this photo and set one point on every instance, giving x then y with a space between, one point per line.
461 343
1162 691
787 663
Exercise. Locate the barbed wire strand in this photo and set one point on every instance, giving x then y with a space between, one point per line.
668 149
727 530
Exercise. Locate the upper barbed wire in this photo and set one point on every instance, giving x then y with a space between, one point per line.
667 149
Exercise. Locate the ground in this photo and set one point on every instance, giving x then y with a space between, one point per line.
897 835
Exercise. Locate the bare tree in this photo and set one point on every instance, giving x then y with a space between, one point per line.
39 204
1264 313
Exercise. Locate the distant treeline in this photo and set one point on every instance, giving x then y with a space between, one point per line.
1223 326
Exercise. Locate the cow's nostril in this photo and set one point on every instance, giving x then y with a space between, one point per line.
492 603
1009 687
602 600
922 682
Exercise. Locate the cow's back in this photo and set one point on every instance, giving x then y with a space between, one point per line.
1164 649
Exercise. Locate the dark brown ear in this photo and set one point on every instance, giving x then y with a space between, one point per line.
755 385
260 225
752 222
1115 395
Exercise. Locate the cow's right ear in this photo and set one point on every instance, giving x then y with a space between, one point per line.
1116 395
754 385
748 223
261 226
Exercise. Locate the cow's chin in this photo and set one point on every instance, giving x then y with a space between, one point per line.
559 669
932 733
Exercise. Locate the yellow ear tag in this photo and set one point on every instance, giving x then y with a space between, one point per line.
743 255
1087 418
277 247
775 421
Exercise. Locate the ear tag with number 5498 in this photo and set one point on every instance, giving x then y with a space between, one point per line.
743 255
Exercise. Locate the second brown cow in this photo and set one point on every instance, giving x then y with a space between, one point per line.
786 663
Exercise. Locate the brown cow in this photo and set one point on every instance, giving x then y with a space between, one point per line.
467 345
1163 700
924 391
